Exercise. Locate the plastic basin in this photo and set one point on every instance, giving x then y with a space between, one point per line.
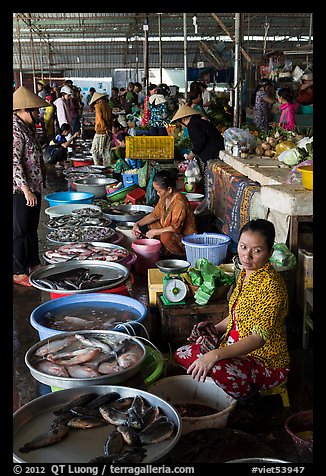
92 300
182 389
148 253
59 210
62 198
307 173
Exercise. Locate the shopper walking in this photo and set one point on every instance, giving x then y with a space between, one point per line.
29 178
62 105
103 124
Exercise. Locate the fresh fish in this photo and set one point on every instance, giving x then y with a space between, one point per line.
76 321
134 420
46 283
81 371
128 359
122 403
75 357
100 358
85 412
80 401
114 443
108 368
156 432
103 400
139 405
150 415
129 434
85 423
46 439
121 347
51 369
93 342
54 346
115 417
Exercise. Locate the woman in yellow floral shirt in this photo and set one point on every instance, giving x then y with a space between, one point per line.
252 352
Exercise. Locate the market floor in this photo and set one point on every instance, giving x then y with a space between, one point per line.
243 437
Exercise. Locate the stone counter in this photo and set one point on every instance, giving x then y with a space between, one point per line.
276 194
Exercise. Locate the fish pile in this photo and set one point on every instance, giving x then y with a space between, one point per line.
84 251
72 221
136 424
86 212
77 279
117 211
80 356
83 233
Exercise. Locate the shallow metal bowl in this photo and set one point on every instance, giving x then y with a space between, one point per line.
69 382
115 271
36 417
173 265
94 185
125 212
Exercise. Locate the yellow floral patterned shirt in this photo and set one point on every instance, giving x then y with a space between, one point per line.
262 307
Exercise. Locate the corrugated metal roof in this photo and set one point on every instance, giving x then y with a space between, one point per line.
87 42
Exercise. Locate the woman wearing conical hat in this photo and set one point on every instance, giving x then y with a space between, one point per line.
28 182
101 145
206 139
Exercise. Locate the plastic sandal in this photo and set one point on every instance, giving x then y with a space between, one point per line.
21 279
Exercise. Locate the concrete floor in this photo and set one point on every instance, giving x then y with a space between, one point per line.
254 439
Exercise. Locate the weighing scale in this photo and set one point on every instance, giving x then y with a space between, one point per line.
174 289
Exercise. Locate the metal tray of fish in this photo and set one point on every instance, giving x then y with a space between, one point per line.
82 233
53 277
86 251
89 357
36 417
75 220
127 212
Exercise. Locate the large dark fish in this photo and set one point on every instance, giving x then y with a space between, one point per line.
103 400
80 401
115 417
86 422
48 438
122 404
150 415
134 420
156 432
114 443
85 412
129 435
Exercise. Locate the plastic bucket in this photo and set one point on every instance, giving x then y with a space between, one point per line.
122 290
182 389
129 179
91 299
148 253
300 427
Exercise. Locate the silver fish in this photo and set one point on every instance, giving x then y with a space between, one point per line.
93 342
75 357
81 371
54 346
51 368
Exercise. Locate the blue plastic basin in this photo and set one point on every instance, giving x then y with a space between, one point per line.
62 198
93 300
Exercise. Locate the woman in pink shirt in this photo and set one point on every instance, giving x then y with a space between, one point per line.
288 109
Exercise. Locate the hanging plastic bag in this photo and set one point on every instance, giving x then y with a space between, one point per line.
193 171
282 257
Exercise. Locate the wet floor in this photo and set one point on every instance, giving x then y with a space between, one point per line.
244 436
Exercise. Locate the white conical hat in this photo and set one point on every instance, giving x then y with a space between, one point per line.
96 96
184 111
24 98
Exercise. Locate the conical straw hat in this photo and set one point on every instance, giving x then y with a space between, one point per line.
96 96
24 98
184 111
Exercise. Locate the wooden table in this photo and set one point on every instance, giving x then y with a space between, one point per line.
173 324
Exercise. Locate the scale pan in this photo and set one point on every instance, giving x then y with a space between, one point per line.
171 266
